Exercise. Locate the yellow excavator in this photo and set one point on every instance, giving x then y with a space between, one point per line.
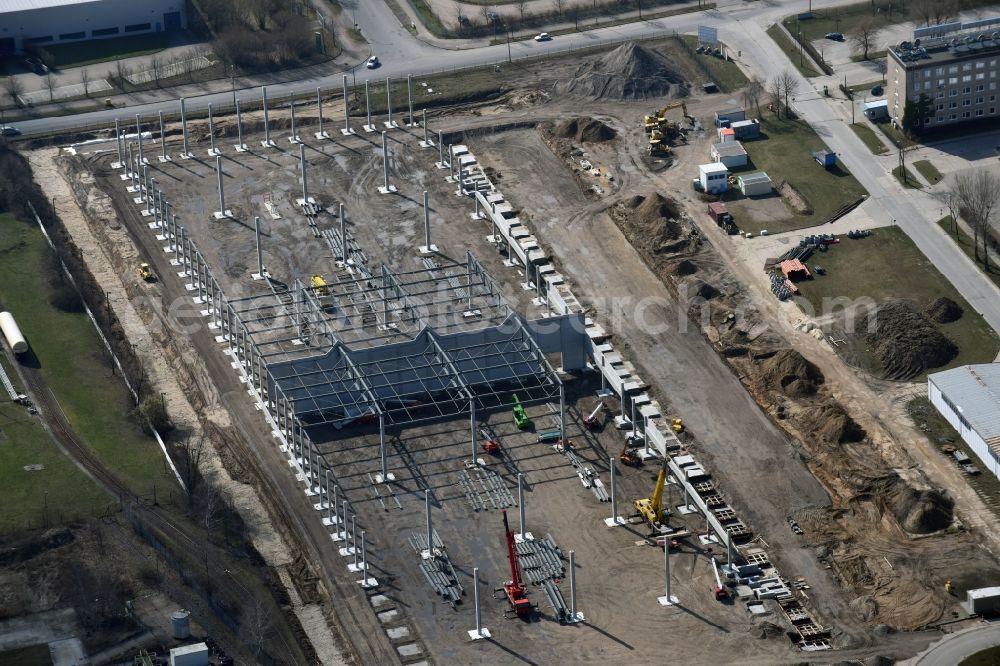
319 285
658 144
658 120
651 508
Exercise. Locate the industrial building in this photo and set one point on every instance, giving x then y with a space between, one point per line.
968 397
45 22
948 72
713 177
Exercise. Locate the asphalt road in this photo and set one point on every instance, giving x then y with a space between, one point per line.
953 648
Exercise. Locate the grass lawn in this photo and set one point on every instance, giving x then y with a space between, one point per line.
888 265
910 182
964 241
77 54
36 655
74 364
928 171
791 49
725 74
987 657
786 156
870 138
940 433
67 491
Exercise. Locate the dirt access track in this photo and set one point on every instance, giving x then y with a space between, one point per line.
634 291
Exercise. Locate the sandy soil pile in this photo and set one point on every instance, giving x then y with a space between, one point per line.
904 341
944 310
789 372
584 130
916 511
828 421
628 72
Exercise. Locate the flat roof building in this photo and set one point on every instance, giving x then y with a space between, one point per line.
947 73
43 22
968 397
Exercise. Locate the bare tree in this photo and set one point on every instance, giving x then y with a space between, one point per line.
863 36
781 87
559 4
212 504
774 93
13 87
122 72
189 456
257 626
977 192
522 6
753 92
156 68
85 80
950 201
932 12
50 84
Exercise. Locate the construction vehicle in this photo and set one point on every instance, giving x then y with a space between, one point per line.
319 286
146 273
627 457
514 589
658 144
722 593
659 118
521 419
491 443
651 508
677 425
591 422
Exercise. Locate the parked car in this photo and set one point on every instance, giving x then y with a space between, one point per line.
373 62
36 65
543 37
835 36
9 130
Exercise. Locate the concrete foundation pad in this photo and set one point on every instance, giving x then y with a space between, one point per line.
268 144
214 152
685 509
388 190
369 128
646 455
117 165
385 479
475 635
441 165
321 135
222 214
242 148
347 132
346 552
153 225
294 140
576 618
163 159
708 539
427 144
617 521
137 200
368 583
390 124
528 536
331 522
355 569
260 276
187 156
339 536
302 202
147 213
476 216
428 249
667 601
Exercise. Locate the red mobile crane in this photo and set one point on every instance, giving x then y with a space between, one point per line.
514 588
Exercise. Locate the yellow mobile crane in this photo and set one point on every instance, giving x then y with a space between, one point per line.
651 508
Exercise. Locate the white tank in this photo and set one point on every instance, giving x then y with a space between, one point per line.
12 333
180 624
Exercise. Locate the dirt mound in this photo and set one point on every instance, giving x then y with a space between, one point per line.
629 72
831 423
767 630
585 130
916 511
944 310
686 267
904 341
654 208
788 371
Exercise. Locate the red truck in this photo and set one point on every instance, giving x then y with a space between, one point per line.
717 211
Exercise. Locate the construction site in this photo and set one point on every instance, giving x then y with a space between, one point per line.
509 377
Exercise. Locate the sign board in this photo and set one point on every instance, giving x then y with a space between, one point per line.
707 35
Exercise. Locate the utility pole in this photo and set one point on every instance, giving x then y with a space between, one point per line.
508 45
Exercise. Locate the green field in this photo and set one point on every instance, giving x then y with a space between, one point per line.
792 50
786 156
870 138
31 499
987 657
888 265
77 54
928 171
726 75
36 655
74 364
910 182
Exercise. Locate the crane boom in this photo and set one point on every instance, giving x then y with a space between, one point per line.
514 589
651 508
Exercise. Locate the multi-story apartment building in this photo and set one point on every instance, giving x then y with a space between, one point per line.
947 74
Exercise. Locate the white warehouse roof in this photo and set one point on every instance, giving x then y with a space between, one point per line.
713 167
974 390
27 5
